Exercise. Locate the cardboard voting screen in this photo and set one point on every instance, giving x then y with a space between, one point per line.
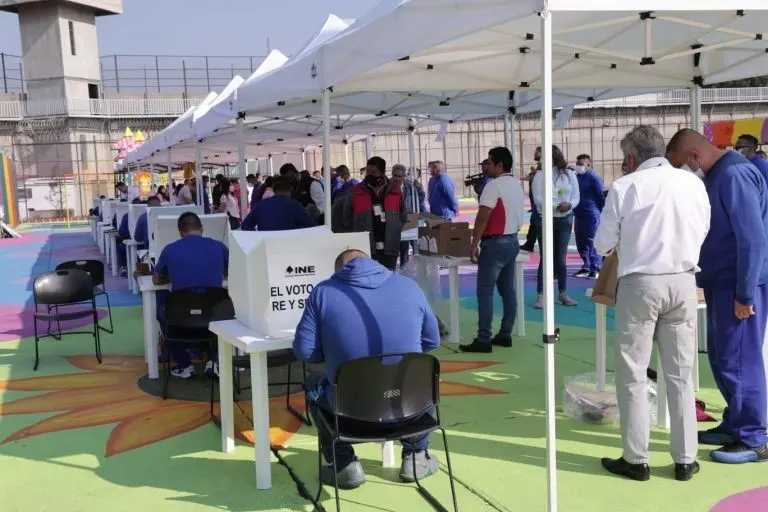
604 291
271 273
134 212
107 209
167 229
121 210
167 211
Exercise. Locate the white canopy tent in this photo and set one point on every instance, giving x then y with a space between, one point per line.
525 45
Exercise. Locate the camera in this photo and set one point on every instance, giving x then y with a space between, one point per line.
473 179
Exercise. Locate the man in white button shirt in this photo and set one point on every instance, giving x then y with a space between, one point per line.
656 218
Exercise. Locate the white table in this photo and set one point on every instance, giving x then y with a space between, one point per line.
662 413
101 227
452 264
131 247
233 333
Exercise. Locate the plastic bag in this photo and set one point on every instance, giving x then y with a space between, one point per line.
583 402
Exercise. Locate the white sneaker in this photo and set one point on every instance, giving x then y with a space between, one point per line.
212 369
184 373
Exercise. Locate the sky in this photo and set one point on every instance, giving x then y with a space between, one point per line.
197 27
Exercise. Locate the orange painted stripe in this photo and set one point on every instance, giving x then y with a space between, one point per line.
9 199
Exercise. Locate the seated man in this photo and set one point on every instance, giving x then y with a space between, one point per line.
278 213
123 234
192 262
396 318
141 231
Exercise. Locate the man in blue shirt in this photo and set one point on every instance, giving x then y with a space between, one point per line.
734 276
278 213
141 231
441 192
747 146
344 183
363 310
587 216
192 262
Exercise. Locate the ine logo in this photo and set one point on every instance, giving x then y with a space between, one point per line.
313 71
391 393
304 271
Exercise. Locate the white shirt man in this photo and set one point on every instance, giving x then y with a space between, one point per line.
317 194
656 218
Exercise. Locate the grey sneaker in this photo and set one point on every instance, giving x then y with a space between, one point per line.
350 477
426 465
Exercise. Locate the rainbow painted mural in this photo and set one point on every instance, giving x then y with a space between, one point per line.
8 200
723 134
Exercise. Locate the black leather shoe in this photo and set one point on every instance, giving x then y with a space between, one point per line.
475 346
502 340
684 472
639 472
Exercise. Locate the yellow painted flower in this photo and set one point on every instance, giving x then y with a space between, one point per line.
108 394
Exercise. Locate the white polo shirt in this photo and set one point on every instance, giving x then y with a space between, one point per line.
504 196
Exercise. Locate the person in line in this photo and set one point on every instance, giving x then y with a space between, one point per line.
317 175
376 206
656 217
141 231
345 182
495 248
278 213
534 227
162 194
734 276
254 186
228 205
565 197
185 194
191 262
234 189
206 199
216 191
390 314
747 146
442 192
586 216
310 193
480 185
762 154
414 198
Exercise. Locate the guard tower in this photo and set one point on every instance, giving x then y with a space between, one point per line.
59 45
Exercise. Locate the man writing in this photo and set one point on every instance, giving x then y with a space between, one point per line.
495 249
656 218
363 310
734 276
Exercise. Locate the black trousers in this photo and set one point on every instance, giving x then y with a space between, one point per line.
533 231
388 260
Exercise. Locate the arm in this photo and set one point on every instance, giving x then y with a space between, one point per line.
306 342
575 193
599 196
225 252
741 200
607 236
140 232
249 222
301 218
160 274
450 193
537 190
347 212
430 331
123 231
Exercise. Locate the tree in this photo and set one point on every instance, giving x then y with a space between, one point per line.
760 81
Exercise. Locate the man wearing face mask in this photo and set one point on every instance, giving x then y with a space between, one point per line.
734 276
377 206
587 216
747 146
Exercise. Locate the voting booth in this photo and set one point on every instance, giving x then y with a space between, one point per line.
134 212
167 229
121 210
273 272
166 211
107 209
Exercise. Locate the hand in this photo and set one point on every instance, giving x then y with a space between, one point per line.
563 207
474 254
741 311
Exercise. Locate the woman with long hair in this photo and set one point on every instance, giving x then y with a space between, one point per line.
565 197
229 205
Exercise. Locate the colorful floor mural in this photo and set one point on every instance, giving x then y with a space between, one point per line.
79 436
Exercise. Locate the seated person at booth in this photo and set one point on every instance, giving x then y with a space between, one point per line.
123 234
141 231
95 211
192 262
363 310
278 213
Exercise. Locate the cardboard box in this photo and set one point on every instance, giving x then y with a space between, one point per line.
271 273
446 239
607 282
413 222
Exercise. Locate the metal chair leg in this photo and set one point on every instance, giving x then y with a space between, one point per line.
37 341
111 329
450 470
302 418
335 475
96 338
167 372
425 493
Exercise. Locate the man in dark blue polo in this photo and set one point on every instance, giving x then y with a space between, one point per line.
192 262
141 231
278 213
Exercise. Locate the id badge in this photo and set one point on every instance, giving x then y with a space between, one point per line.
377 210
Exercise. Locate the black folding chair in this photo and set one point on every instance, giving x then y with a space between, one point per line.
381 390
95 269
188 312
277 359
63 289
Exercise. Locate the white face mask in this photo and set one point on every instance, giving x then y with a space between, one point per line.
698 173
580 169
743 151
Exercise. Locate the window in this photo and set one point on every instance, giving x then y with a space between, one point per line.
93 91
24 193
72 38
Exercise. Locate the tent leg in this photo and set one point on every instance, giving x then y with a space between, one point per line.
695 92
170 174
241 164
199 171
327 155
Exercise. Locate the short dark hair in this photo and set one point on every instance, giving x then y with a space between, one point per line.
219 177
378 163
583 156
154 201
501 155
188 222
751 139
250 177
138 200
285 169
282 185
119 184
761 153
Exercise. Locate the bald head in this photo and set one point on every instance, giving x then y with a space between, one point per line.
688 148
347 256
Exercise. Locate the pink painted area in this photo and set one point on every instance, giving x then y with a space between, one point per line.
571 259
755 500
16 322
23 254
24 240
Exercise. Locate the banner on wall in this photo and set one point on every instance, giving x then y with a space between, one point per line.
143 182
724 134
9 202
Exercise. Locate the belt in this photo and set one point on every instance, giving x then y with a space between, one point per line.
495 237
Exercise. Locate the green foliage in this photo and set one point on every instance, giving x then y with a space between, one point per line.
760 81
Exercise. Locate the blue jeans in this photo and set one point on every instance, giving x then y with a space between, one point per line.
561 235
496 269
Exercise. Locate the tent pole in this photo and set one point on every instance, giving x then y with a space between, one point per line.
170 174
269 161
303 159
241 163
695 92
151 176
412 162
327 155
550 333
199 171
346 152
507 131
368 147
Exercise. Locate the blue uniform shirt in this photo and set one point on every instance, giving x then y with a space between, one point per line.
591 194
734 252
278 213
761 165
141 232
123 230
442 196
343 187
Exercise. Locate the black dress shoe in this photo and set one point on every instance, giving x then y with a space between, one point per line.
476 346
502 340
684 472
639 472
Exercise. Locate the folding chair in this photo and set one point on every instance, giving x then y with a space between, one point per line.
397 388
63 288
95 268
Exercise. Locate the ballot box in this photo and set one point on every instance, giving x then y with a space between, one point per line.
121 210
167 229
271 273
165 211
134 212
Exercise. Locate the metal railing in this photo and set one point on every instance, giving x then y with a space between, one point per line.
682 97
